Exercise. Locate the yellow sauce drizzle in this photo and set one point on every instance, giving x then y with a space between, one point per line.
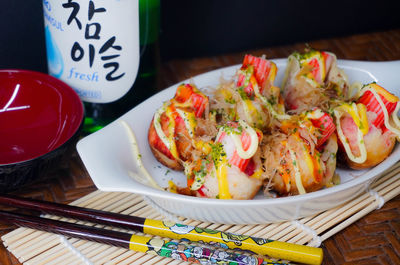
359 114
305 63
257 174
248 109
383 92
222 176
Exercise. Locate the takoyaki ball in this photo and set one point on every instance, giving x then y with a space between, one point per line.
239 185
300 157
229 171
178 125
230 105
367 129
293 169
378 145
251 96
311 80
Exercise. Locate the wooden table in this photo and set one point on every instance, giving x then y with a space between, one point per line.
375 239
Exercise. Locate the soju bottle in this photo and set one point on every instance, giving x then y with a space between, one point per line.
106 50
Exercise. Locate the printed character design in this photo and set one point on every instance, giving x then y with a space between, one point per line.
261 241
201 253
178 228
198 252
237 239
205 230
248 260
155 246
206 262
175 250
169 250
219 256
215 244
183 252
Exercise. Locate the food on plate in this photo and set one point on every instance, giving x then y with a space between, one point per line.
367 129
300 155
247 135
251 96
180 126
231 169
311 80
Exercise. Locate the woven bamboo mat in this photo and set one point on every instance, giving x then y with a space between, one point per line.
35 247
372 240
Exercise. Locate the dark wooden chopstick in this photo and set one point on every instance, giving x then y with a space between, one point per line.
99 235
69 211
274 249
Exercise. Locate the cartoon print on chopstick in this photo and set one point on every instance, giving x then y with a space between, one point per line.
163 229
197 254
226 240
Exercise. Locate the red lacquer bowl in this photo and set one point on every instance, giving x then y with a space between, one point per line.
40 118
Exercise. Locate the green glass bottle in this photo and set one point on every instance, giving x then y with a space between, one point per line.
100 114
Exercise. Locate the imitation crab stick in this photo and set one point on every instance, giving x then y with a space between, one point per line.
324 123
371 102
264 70
189 94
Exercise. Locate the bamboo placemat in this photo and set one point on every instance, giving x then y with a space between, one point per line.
35 247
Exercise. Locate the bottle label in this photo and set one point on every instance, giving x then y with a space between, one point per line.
93 46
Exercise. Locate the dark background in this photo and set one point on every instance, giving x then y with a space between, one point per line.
210 27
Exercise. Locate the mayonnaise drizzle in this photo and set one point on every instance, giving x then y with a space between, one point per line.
253 143
297 175
135 149
394 115
315 114
169 143
189 120
360 140
157 126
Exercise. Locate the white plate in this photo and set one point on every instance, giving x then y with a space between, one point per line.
108 157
